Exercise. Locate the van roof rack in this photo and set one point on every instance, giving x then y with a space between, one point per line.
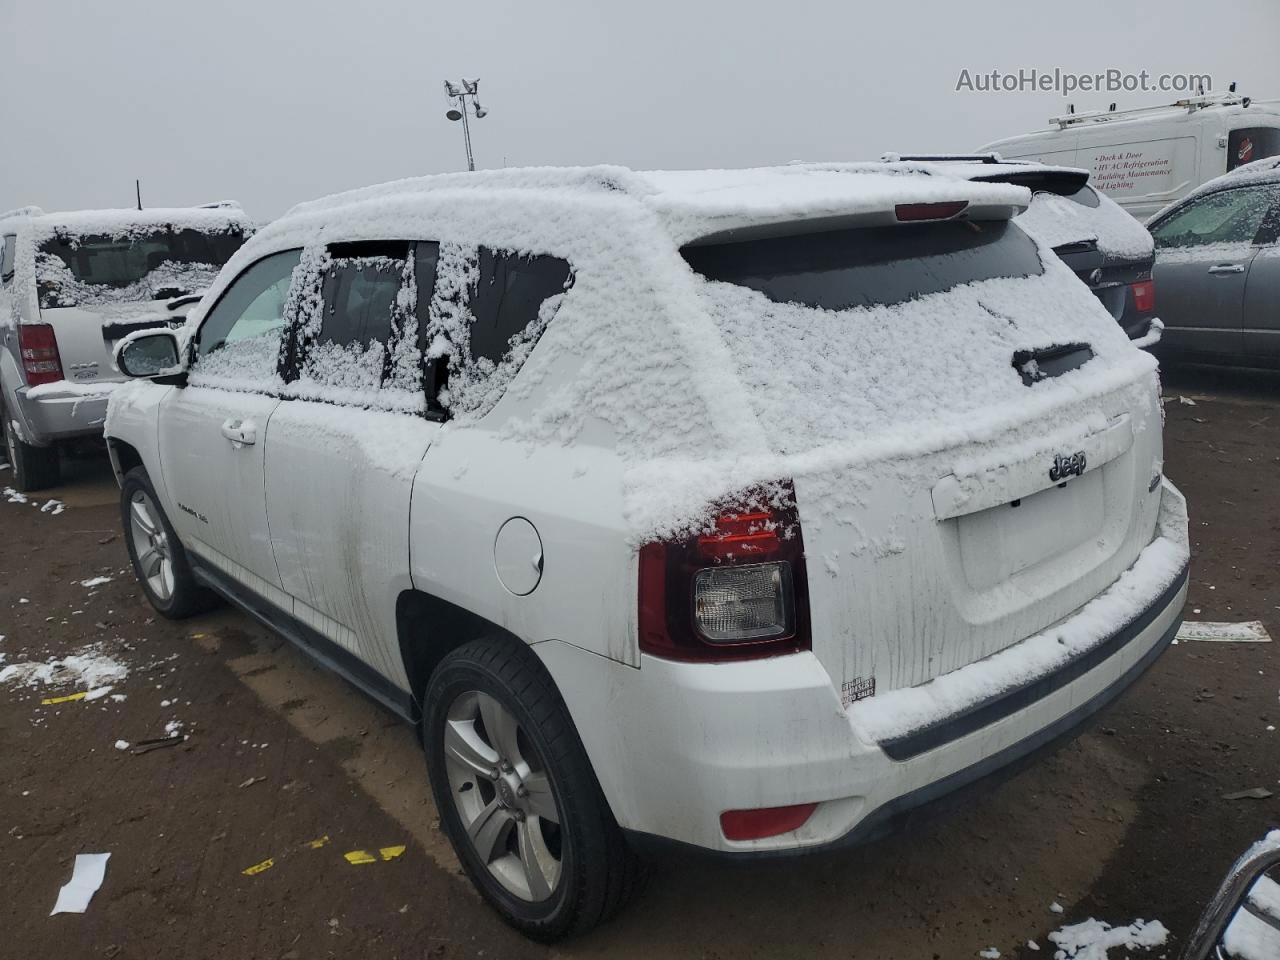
30 211
1190 104
942 157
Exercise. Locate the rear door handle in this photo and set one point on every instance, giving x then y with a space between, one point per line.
241 433
1227 268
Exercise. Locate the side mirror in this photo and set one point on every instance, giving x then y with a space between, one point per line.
1242 922
150 353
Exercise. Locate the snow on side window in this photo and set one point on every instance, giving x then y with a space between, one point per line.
356 336
240 339
490 308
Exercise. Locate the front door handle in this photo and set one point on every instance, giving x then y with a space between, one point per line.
1222 268
241 433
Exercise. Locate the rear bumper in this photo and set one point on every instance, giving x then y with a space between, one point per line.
685 742
55 414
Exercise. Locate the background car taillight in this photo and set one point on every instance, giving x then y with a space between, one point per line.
1144 296
735 591
39 349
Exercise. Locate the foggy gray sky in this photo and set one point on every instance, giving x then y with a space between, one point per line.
274 101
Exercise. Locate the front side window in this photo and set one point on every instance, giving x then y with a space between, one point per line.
489 309
240 337
1227 216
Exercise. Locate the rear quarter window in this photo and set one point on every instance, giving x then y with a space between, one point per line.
489 309
869 266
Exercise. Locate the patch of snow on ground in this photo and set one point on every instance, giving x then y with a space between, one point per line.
14 496
1093 939
90 668
53 507
95 581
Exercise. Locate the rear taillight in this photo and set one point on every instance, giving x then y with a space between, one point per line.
929 211
39 349
735 591
1144 296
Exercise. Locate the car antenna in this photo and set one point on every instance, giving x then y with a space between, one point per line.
137 187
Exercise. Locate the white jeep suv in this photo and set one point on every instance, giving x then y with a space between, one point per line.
749 510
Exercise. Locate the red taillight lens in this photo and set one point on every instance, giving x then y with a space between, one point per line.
765 822
1144 296
736 591
39 349
929 211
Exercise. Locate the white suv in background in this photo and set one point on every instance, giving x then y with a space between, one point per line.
750 510
72 285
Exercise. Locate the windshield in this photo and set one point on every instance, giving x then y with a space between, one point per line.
84 270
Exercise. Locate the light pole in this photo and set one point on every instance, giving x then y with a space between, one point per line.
460 92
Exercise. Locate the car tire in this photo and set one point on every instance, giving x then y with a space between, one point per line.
159 560
560 835
34 468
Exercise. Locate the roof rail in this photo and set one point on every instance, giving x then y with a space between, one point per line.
942 157
22 212
1190 104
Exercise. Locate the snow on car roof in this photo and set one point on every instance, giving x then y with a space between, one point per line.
694 202
130 222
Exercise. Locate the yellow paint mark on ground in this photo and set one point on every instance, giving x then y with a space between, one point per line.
360 856
390 853
66 699
258 868
317 844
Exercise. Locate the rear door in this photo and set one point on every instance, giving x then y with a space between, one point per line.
344 447
212 431
1262 294
1203 253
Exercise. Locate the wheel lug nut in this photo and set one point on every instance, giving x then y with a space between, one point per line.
522 791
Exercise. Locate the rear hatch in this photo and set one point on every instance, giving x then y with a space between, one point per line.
94 289
972 439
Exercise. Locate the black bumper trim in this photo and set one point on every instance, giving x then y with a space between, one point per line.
1019 698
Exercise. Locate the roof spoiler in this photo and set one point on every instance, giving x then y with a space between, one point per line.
970 210
220 205
1062 182
942 157
31 211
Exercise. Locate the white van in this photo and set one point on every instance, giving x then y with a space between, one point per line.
1148 157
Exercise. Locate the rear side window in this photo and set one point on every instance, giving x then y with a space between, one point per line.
360 344
6 258
1227 216
869 266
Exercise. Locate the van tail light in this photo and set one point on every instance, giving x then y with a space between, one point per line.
765 821
737 590
39 349
1144 296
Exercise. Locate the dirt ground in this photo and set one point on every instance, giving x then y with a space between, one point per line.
1125 822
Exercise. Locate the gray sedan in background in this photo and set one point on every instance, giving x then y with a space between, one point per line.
1217 270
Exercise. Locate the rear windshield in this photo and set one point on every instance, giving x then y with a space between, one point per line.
82 270
870 266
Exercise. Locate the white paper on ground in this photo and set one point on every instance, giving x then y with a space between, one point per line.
1251 631
86 878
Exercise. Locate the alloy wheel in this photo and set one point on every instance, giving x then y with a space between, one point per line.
504 797
151 546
